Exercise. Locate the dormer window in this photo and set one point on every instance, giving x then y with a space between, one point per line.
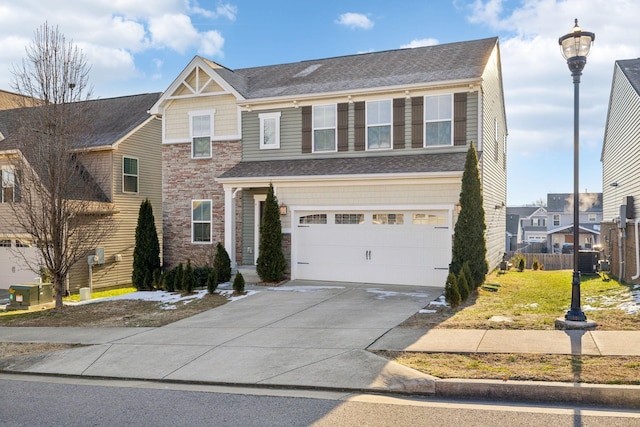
201 133
379 125
324 128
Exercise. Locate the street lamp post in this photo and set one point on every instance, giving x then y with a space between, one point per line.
575 48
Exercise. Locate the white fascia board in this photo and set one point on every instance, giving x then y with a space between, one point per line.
338 180
197 61
473 83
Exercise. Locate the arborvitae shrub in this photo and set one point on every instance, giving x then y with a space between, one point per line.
146 254
187 278
156 282
535 265
521 265
169 280
238 284
212 281
200 275
466 269
463 286
451 292
222 264
271 262
178 277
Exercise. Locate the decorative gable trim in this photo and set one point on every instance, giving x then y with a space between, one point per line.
205 76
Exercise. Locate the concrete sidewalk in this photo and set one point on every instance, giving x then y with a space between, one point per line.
315 335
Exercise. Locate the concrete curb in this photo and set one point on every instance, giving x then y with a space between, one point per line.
580 394
625 396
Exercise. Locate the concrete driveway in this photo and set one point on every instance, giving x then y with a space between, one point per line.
310 334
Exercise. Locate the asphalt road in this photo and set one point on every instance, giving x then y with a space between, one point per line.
48 401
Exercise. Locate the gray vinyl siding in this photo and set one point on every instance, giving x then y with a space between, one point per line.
291 135
145 145
492 160
621 149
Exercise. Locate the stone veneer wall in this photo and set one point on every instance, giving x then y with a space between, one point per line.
185 179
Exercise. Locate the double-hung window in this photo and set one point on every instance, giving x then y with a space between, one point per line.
8 185
324 128
556 220
201 133
379 125
269 131
438 126
201 221
129 175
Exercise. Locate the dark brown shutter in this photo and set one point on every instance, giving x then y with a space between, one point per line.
359 126
306 129
460 119
17 189
343 127
398 123
417 122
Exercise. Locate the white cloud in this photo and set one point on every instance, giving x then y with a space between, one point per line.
355 21
420 43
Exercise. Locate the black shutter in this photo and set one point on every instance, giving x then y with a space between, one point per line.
417 122
460 119
306 129
398 123
343 126
359 126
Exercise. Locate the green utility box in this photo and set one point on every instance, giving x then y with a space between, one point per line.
21 297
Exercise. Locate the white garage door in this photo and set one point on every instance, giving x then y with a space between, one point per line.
394 247
12 268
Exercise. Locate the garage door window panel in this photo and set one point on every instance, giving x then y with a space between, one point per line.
388 219
429 219
314 219
349 218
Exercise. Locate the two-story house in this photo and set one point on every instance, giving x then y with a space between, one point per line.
365 153
124 161
560 222
621 172
527 224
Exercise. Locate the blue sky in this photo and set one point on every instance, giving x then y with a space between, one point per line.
139 46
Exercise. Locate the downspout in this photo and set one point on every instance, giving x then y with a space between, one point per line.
637 251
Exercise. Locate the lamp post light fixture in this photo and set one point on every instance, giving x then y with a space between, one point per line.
575 48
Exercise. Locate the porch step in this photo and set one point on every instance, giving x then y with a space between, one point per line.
249 273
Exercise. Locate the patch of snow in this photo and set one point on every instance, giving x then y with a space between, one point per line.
587 307
425 311
385 294
439 302
500 319
228 294
302 288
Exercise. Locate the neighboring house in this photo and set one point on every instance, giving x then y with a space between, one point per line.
532 224
125 150
513 232
560 222
10 100
621 172
365 152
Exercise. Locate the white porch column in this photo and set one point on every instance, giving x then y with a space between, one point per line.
230 224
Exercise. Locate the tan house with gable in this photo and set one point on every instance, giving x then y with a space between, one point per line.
124 161
365 153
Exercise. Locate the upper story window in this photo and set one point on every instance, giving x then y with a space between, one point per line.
129 175
324 128
379 125
269 131
592 218
556 220
201 133
8 186
201 221
438 113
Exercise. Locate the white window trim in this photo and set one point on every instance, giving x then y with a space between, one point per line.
211 114
367 125
268 116
137 175
451 120
334 127
553 220
202 222
2 186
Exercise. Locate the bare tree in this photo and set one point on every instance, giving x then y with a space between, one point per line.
59 200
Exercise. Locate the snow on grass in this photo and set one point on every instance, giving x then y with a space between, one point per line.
438 302
167 300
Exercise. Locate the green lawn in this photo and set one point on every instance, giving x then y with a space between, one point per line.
534 299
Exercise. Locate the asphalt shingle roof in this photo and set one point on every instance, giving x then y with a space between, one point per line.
421 163
631 69
561 202
445 62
